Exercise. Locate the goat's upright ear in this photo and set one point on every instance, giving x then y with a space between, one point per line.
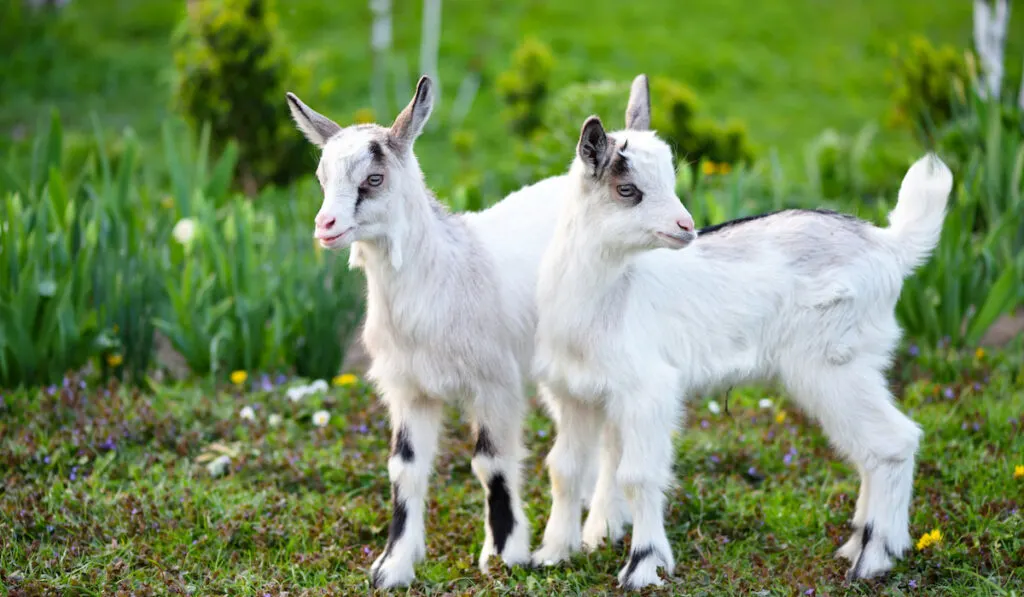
317 127
410 122
593 145
638 110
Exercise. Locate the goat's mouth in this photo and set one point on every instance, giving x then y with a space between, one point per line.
676 241
337 240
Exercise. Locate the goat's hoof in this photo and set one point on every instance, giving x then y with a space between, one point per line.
873 561
390 572
642 568
594 536
851 549
551 555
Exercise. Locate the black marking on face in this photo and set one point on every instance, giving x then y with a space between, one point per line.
635 557
620 164
403 447
377 152
484 446
499 505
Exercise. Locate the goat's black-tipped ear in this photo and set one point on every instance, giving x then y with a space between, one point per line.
593 143
410 122
317 127
638 110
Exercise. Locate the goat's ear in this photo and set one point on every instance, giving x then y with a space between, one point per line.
317 127
638 110
593 144
410 122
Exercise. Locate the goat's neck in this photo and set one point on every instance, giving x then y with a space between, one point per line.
586 266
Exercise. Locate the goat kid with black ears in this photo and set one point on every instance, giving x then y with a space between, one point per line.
638 313
450 316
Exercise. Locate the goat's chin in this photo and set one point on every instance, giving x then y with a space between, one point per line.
673 241
342 241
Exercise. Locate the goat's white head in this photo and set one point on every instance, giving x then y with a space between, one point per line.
365 170
628 182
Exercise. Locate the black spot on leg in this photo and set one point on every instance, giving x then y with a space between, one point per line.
484 446
402 447
399 516
864 540
866 537
499 505
635 557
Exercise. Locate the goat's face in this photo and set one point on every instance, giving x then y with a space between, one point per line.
628 183
364 170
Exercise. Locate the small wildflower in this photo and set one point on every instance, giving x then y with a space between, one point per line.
724 168
318 386
928 539
912 584
714 408
1018 471
321 418
542 433
780 417
274 420
708 168
184 231
764 404
809 592
364 116
715 458
787 459
247 414
704 424
167 202
979 354
914 350
346 379
218 466
238 377
948 393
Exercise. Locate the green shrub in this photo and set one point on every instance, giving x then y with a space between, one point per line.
841 166
233 71
525 86
929 83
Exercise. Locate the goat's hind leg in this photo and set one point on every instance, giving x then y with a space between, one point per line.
415 425
498 418
856 411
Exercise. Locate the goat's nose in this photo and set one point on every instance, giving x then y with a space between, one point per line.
325 221
686 223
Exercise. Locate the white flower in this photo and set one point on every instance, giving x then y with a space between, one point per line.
321 418
184 231
247 414
297 393
318 386
274 420
764 404
218 466
714 408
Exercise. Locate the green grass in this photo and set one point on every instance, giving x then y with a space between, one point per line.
105 490
789 69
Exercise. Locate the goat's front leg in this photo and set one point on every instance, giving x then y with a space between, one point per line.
645 425
415 426
498 417
609 510
579 425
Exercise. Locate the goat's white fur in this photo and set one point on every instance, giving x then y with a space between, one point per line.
628 332
450 318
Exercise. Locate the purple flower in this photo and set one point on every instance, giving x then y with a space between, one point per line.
912 584
914 350
46 460
366 549
752 471
49 528
977 387
787 459
280 379
363 428
194 541
51 390
73 476
81 384
809 592
771 435
963 426
109 445
976 426
948 393
704 424
715 458
265 383
542 433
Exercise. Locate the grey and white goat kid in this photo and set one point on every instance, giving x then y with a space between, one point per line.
450 316
638 313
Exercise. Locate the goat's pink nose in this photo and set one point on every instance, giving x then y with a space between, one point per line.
325 221
686 223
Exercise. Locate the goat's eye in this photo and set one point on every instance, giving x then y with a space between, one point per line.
627 190
375 180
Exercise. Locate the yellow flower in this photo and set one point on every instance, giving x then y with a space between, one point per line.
979 354
167 202
364 116
724 168
238 377
114 360
1018 471
346 379
780 417
708 168
116 329
928 539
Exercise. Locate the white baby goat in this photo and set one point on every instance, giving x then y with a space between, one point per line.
450 316
630 327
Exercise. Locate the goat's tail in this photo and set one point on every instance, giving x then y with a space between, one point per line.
915 224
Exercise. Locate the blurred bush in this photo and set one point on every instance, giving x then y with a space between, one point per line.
840 165
929 83
525 86
232 72
94 259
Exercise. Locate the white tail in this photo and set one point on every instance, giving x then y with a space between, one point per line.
915 224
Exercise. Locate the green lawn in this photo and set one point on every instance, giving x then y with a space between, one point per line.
790 68
107 490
